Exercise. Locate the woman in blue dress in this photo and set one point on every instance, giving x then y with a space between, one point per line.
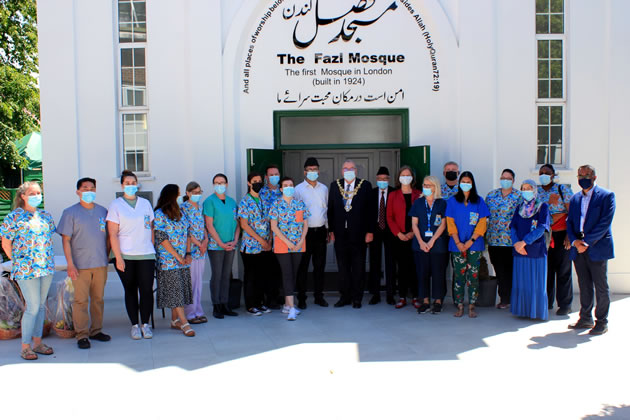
528 227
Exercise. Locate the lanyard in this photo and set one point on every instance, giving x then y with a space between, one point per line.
429 211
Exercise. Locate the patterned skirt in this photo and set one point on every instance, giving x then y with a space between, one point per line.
174 288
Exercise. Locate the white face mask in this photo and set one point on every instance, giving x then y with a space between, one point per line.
405 180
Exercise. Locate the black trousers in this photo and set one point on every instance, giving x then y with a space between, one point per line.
382 239
272 282
559 281
502 260
431 273
407 279
592 275
316 241
351 263
138 278
254 278
289 264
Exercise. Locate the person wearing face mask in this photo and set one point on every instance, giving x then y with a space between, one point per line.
256 240
466 218
559 276
450 187
289 226
269 194
85 244
223 230
399 223
27 240
383 240
502 203
130 229
315 195
527 228
351 229
589 228
199 245
430 244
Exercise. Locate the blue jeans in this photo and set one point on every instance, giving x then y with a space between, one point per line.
35 292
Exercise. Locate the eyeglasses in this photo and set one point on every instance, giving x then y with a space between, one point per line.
589 176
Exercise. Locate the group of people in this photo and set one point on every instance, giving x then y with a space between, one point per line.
423 231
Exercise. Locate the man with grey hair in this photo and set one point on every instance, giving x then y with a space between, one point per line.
451 173
591 213
350 228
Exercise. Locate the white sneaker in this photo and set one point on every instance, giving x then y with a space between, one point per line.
286 309
146 331
135 332
292 314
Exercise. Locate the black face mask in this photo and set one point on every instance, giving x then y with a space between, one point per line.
450 175
585 183
257 186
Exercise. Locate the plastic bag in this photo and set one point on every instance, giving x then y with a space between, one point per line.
64 299
11 306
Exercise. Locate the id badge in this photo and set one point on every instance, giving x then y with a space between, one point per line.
428 234
473 218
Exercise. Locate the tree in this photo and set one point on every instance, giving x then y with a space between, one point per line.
19 91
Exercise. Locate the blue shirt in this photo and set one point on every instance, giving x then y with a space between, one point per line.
256 215
561 205
466 218
197 226
177 232
269 197
420 210
501 212
448 192
290 218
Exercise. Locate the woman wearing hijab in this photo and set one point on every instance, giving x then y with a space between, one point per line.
528 227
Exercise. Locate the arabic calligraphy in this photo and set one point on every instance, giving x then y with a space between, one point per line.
342 97
349 25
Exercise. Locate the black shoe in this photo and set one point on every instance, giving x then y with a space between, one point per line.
301 304
216 312
599 329
84 343
100 337
390 300
321 302
356 305
374 300
340 303
563 311
581 325
424 308
437 308
227 311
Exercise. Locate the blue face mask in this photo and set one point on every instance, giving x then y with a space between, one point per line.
180 200
88 196
130 190
427 192
219 188
506 183
34 200
465 186
382 184
528 195
544 179
288 191
349 176
274 179
312 175
195 198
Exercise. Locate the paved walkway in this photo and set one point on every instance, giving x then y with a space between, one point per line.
376 362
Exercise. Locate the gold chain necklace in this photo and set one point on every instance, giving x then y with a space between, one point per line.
348 195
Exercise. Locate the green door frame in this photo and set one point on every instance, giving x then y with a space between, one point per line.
402 112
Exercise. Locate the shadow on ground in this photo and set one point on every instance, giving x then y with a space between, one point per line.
611 412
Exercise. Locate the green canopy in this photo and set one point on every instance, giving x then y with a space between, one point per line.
30 146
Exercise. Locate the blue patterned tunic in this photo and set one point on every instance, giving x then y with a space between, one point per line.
290 219
256 216
501 212
447 192
197 226
31 236
177 232
559 207
269 197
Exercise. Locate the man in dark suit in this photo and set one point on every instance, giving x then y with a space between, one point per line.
383 238
350 228
589 223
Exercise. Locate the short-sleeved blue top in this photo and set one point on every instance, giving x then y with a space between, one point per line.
466 218
420 210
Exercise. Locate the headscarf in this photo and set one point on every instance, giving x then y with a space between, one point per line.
528 209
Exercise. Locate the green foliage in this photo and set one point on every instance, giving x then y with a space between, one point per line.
19 92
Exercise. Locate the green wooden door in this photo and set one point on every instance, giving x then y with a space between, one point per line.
419 158
259 159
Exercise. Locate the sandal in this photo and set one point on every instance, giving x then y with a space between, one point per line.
175 324
471 311
188 332
195 320
460 311
28 354
43 349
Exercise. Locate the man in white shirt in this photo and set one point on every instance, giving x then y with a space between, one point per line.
315 195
